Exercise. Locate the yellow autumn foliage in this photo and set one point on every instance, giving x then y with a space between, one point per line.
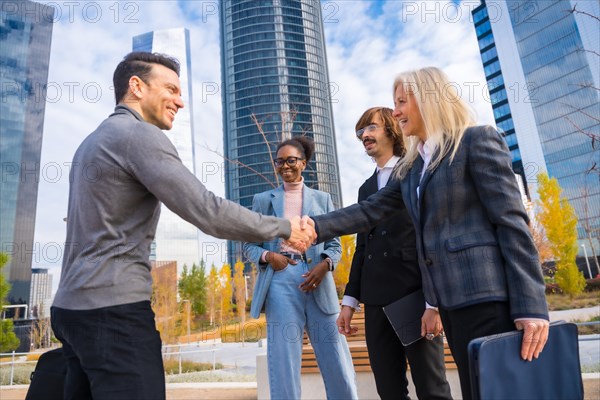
558 218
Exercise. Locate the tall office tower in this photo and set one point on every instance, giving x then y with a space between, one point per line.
274 67
542 65
25 37
40 297
176 239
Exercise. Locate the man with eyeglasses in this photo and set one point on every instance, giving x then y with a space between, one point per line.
385 269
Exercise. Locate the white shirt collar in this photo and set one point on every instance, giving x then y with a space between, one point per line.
426 150
390 164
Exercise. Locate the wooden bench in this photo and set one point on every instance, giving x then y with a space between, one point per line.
358 350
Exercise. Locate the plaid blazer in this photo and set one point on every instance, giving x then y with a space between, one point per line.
473 240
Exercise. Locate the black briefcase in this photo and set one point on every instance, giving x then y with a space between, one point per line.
48 378
498 372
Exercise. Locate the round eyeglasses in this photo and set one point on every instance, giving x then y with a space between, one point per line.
368 128
291 161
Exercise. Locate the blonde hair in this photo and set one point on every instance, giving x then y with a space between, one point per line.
445 115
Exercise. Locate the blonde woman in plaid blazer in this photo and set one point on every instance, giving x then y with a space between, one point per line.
478 262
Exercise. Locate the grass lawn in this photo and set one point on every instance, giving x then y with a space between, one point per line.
557 302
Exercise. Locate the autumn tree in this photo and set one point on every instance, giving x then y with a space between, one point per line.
193 287
558 218
541 243
341 272
226 292
164 301
213 293
240 290
40 330
8 339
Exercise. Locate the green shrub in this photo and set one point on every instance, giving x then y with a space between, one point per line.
172 366
21 374
552 288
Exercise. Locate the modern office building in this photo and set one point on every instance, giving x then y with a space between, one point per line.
542 65
25 38
175 239
274 73
40 298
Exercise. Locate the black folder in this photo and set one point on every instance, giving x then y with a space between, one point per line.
498 372
405 316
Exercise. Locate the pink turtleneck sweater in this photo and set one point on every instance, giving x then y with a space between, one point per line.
292 203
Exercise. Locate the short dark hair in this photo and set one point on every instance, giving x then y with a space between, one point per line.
139 63
392 128
305 145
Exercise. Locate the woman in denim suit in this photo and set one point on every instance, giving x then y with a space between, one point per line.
297 290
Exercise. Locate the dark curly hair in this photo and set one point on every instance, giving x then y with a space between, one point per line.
305 145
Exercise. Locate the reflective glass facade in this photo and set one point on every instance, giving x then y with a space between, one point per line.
496 86
25 38
176 239
274 67
553 49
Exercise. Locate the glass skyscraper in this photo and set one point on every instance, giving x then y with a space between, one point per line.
542 67
25 38
274 73
176 239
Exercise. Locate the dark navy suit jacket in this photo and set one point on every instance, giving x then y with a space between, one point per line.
384 267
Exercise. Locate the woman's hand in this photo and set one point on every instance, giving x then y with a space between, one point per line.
314 277
278 261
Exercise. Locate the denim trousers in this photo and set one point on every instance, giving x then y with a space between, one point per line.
111 352
289 312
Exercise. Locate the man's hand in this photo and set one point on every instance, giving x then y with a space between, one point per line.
314 277
344 320
431 324
535 336
278 261
303 235
307 221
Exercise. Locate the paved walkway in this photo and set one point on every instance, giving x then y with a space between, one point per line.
581 314
209 391
175 391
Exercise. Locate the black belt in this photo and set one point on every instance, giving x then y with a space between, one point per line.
293 256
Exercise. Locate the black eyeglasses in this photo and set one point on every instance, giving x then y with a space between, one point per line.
368 128
291 161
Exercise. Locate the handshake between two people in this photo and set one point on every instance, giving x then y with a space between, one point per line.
303 233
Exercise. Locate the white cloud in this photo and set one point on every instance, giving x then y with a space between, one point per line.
405 36
365 51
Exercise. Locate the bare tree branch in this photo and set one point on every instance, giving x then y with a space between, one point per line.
240 164
260 129
574 10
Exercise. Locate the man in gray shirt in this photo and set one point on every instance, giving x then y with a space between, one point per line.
121 172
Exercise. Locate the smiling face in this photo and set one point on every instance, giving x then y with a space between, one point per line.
378 144
160 98
406 111
291 173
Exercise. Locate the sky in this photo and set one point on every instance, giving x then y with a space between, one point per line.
367 43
